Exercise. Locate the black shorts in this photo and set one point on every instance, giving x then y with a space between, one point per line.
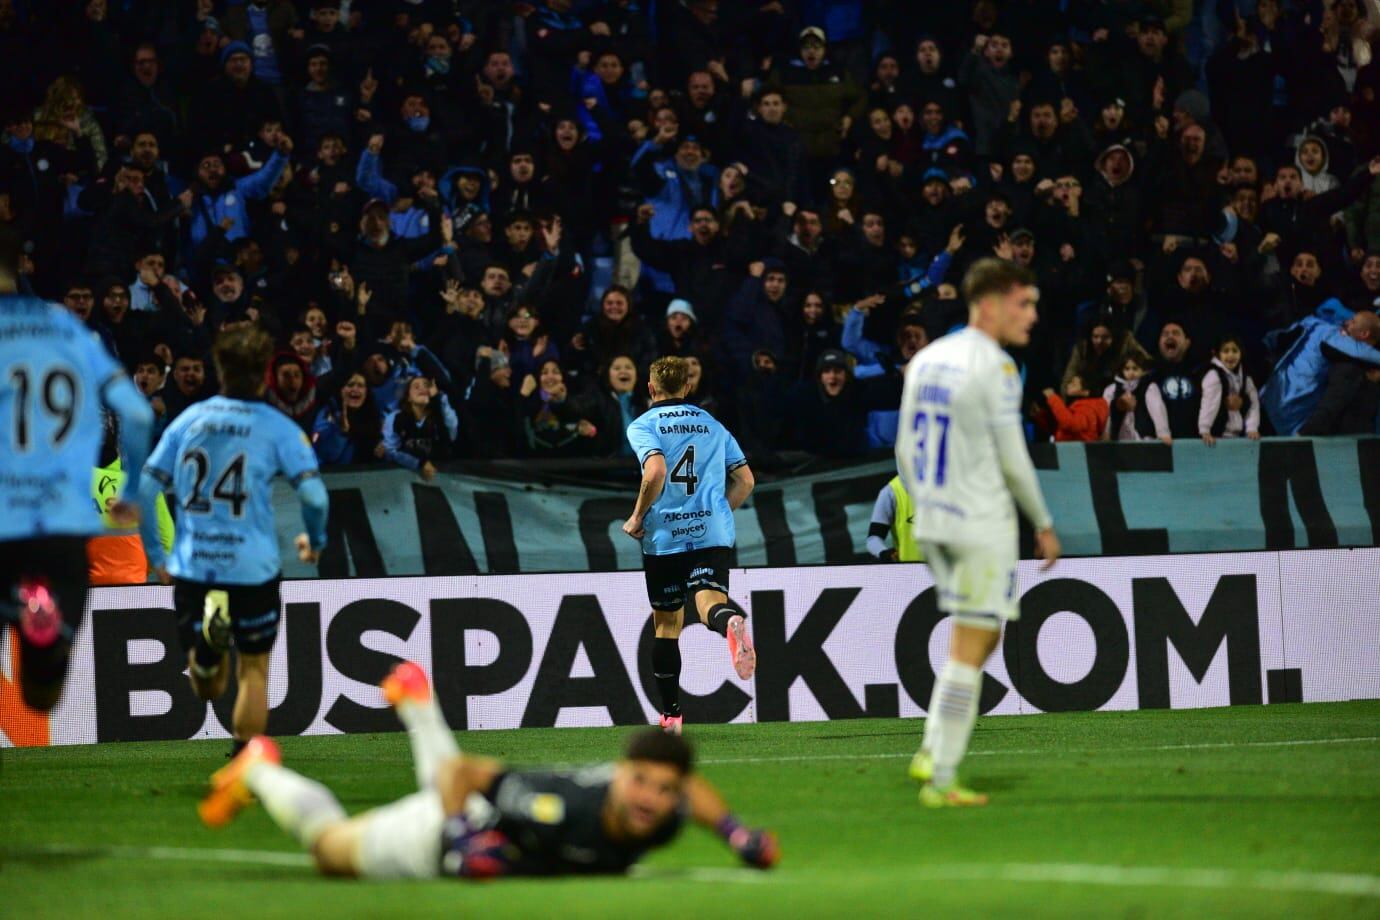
676 577
255 611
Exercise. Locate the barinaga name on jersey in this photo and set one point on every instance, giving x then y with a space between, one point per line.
219 458
54 370
692 511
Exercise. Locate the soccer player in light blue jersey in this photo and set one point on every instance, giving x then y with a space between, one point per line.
55 377
694 476
217 461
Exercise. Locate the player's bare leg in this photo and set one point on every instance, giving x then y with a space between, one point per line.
208 683
666 666
728 620
952 712
251 701
336 851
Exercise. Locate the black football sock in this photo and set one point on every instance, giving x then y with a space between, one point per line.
208 660
666 672
719 615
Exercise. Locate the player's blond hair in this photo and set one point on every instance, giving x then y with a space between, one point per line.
670 376
241 356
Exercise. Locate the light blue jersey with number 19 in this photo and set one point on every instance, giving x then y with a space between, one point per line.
219 458
692 511
55 377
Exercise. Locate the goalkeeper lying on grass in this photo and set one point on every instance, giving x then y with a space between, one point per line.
475 818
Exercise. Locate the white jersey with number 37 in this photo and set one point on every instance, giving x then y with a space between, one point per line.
960 447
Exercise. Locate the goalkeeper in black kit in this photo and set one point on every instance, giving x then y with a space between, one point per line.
473 817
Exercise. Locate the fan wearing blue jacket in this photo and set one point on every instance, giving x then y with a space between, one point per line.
219 200
1312 347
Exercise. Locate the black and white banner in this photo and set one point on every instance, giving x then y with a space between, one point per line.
1113 499
832 642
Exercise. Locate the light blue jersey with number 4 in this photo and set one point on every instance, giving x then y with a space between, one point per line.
692 512
219 458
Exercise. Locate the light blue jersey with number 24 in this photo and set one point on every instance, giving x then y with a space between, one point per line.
219 458
692 512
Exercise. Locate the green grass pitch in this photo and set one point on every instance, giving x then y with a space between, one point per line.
1257 811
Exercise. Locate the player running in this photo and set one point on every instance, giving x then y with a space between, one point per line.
55 377
962 455
218 459
685 523
473 817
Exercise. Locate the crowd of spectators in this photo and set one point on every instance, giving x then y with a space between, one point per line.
473 224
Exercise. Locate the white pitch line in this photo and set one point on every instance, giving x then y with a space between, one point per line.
1330 883
1034 751
699 874
175 854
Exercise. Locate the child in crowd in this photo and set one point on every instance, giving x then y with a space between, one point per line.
1135 405
1077 416
422 431
1231 405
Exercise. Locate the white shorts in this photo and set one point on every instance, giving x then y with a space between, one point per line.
403 840
976 584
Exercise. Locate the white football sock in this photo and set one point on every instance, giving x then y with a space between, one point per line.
302 807
432 741
949 721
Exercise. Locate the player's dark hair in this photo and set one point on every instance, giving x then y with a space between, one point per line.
670 375
1224 341
654 746
617 289
241 356
994 276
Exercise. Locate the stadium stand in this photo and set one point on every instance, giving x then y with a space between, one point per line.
511 199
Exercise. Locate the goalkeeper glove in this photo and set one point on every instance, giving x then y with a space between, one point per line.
757 848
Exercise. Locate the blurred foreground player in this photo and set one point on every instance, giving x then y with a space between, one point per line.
218 459
962 456
55 377
684 521
473 817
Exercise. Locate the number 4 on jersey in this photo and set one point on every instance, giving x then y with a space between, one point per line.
921 428
683 472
